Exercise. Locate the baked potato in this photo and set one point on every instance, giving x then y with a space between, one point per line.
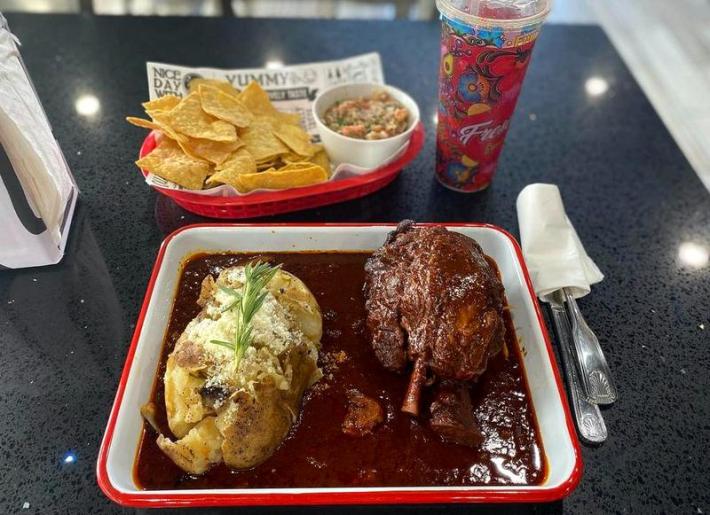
221 410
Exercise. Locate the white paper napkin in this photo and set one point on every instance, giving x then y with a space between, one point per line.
28 140
553 252
37 190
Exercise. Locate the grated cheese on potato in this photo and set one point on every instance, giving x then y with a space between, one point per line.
238 414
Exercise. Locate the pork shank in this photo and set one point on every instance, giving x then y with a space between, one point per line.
434 299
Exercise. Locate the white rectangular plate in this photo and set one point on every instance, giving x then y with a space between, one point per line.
119 446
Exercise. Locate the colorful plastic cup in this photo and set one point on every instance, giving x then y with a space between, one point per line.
485 50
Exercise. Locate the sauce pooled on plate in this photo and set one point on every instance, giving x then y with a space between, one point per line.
399 451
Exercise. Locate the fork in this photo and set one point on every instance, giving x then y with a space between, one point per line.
593 369
590 422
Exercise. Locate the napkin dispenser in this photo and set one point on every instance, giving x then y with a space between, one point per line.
37 191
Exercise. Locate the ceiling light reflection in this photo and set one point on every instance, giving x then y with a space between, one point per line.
596 86
87 105
693 254
274 64
69 458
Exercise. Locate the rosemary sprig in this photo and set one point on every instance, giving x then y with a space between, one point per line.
246 303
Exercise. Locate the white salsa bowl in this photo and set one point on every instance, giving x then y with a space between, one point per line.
361 152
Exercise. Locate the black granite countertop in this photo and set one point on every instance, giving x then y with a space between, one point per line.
632 195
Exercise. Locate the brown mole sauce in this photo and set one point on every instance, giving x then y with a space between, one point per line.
402 451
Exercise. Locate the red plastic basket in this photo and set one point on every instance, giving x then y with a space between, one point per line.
294 199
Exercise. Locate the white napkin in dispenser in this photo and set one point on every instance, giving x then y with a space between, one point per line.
37 190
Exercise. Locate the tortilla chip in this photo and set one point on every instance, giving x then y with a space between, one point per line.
225 107
240 136
278 118
240 162
260 141
158 125
320 158
295 138
140 122
278 179
222 85
214 151
270 159
289 118
168 161
240 156
160 105
188 118
291 157
266 165
295 166
257 100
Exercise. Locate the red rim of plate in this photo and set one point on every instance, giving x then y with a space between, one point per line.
399 496
416 143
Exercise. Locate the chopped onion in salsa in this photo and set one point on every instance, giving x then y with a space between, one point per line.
378 116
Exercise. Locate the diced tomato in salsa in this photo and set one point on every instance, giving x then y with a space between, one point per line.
376 117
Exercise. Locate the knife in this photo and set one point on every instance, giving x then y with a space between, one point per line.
590 422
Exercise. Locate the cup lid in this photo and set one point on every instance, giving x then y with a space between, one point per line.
513 13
